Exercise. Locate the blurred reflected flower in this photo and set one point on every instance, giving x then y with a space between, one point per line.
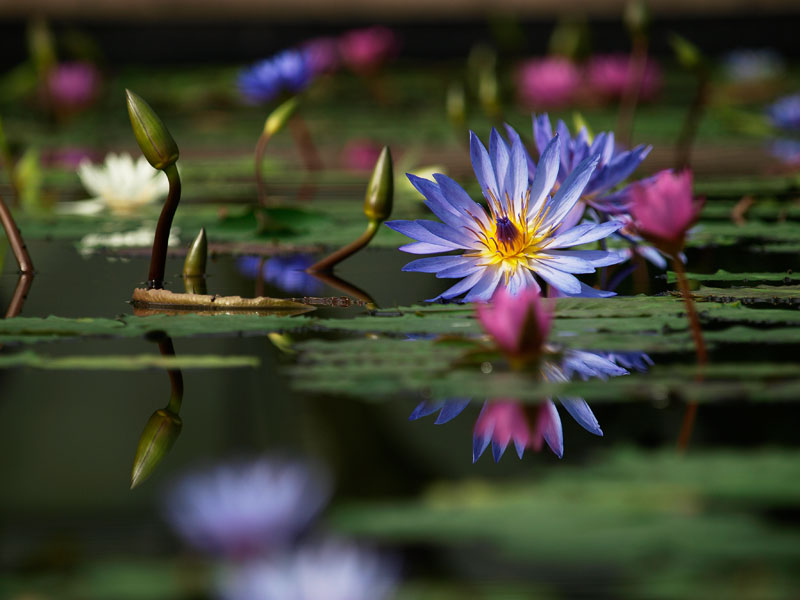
664 209
138 238
289 71
610 75
364 50
614 166
523 234
448 409
752 65
73 85
785 113
322 54
519 325
245 509
333 570
360 155
120 185
286 272
786 150
547 82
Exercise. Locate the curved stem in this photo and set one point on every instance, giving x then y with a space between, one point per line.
327 264
302 138
261 146
20 294
700 348
15 239
175 377
158 257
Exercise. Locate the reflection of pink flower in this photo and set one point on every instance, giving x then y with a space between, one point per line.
364 50
663 209
322 54
547 82
360 155
73 85
610 75
519 324
504 421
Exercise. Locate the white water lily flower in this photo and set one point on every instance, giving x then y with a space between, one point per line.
137 238
120 185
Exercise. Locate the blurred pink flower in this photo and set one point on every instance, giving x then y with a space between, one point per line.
610 75
360 155
519 324
322 54
68 157
73 85
506 420
547 82
664 209
364 50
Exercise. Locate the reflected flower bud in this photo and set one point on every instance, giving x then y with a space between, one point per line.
160 433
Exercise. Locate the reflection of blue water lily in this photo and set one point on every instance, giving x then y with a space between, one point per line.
289 71
785 112
330 571
286 272
245 509
503 421
786 150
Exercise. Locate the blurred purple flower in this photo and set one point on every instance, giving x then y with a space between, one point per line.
333 570
286 272
610 76
547 82
365 50
246 509
289 71
68 157
73 85
785 112
752 65
322 54
360 155
786 150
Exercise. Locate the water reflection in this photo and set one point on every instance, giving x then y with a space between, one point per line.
506 420
286 272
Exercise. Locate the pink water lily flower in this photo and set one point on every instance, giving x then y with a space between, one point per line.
547 82
664 209
73 85
610 76
364 50
519 324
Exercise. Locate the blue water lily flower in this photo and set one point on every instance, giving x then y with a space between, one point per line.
289 71
615 165
785 112
520 237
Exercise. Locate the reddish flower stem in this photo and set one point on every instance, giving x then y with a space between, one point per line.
700 348
302 137
158 257
15 239
326 264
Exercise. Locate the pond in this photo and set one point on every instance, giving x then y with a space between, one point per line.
370 425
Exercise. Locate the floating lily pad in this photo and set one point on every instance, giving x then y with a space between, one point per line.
126 362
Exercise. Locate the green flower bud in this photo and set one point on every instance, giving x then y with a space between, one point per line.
159 434
380 191
197 255
152 135
688 55
277 118
636 16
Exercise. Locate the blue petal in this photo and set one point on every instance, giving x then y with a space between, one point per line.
596 258
424 248
415 230
469 266
546 174
483 167
485 287
585 233
517 184
581 412
569 263
514 137
479 445
497 451
455 235
460 200
570 191
554 435
459 288
618 169
451 409
425 408
434 264
558 279
542 132
589 292
498 151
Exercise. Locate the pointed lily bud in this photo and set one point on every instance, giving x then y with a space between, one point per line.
152 135
279 117
159 434
688 55
380 191
197 255
636 17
